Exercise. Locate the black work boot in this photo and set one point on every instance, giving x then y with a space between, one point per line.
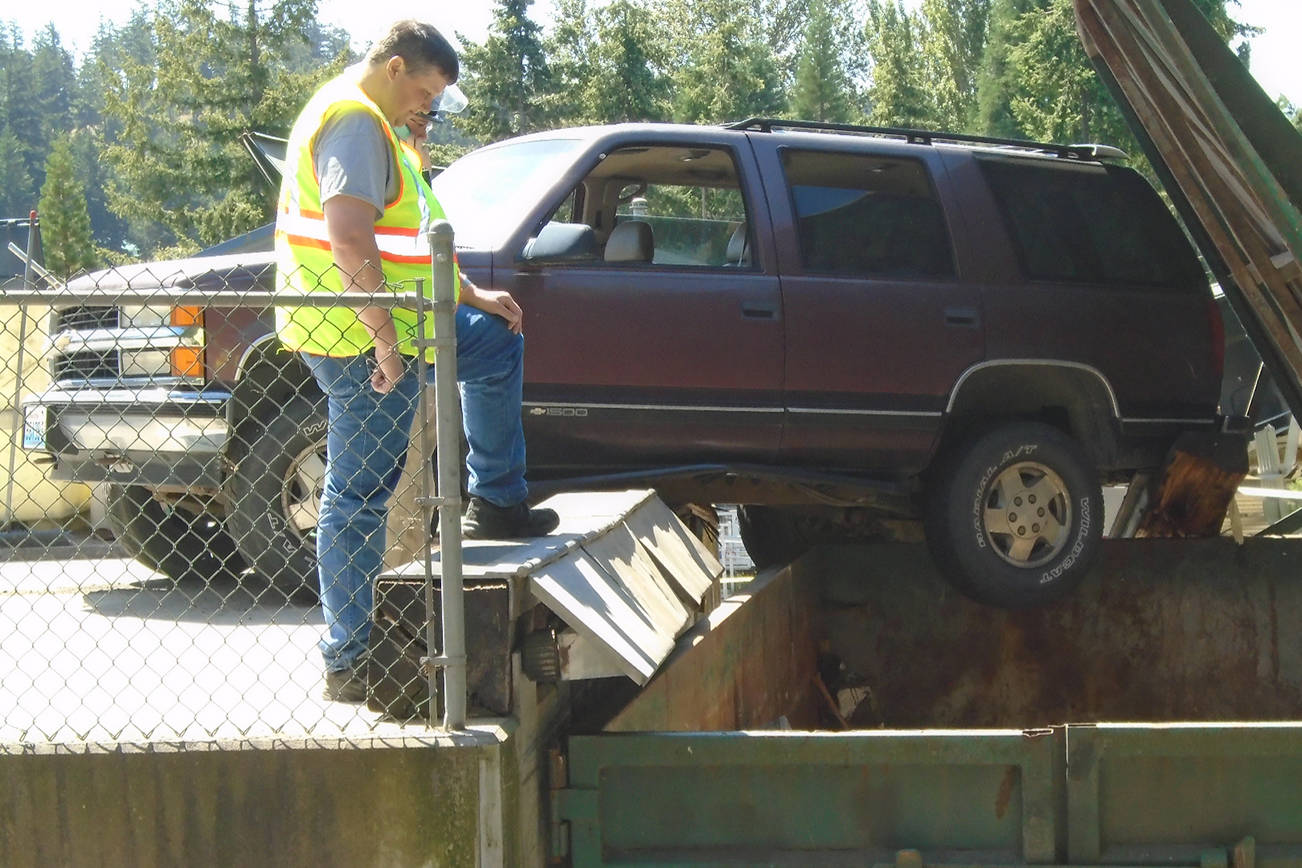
345 685
485 520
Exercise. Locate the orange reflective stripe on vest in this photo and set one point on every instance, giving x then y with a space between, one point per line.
304 257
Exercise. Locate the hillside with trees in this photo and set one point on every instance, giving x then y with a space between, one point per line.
132 149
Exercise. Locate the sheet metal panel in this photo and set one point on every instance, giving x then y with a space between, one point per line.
1170 793
786 798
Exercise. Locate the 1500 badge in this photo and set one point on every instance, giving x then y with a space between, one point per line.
573 412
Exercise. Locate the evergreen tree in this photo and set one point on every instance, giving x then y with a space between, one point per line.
569 50
108 51
20 118
181 177
953 42
56 86
1037 82
628 81
507 76
17 196
997 78
898 89
1057 96
822 91
65 222
723 64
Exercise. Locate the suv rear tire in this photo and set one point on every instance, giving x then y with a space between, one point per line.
1014 517
772 535
275 492
180 544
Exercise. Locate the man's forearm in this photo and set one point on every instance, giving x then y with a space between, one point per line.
360 272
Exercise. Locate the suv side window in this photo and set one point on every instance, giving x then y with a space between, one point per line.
1091 224
692 223
867 215
688 199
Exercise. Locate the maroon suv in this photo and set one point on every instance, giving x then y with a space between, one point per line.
845 331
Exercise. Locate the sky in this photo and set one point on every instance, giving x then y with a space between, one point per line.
1274 53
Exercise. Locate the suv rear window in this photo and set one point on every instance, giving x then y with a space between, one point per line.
867 215
1090 224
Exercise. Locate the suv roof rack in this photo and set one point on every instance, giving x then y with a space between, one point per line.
926 137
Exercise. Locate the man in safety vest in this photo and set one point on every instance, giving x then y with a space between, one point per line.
352 217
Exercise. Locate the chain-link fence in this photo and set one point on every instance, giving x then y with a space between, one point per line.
164 473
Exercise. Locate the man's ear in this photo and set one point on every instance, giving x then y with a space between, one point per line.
394 66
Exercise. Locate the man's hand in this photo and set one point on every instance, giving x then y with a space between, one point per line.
351 225
388 370
498 302
417 126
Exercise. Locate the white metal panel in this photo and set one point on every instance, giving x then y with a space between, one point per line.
591 601
682 557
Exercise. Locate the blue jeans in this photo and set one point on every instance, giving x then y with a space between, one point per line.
367 444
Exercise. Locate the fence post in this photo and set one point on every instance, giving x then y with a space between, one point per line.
448 430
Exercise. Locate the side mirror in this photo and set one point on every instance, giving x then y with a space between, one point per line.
561 242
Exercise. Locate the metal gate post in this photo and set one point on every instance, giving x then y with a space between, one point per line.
448 431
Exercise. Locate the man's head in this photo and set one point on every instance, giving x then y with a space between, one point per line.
409 68
420 45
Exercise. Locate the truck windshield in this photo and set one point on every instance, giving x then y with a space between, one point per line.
487 193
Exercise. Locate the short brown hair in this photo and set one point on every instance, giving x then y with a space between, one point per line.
419 45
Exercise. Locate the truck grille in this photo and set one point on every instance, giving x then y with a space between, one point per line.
87 365
77 318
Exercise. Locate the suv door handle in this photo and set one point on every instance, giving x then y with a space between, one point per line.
962 317
759 309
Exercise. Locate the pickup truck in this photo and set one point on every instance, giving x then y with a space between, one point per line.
852 333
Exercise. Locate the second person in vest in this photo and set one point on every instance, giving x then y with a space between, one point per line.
353 213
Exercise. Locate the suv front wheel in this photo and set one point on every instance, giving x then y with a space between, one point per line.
275 492
1015 517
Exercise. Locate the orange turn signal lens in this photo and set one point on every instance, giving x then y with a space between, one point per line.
187 362
187 316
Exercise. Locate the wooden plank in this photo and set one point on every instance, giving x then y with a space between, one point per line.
1234 195
681 556
592 603
640 580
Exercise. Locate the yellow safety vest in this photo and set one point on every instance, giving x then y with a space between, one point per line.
304 258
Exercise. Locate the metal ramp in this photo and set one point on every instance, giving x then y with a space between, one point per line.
607 594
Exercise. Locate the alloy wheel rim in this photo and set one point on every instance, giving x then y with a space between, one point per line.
301 493
1027 514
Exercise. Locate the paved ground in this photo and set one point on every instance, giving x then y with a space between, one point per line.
95 647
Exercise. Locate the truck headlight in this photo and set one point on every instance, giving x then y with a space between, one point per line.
146 363
183 329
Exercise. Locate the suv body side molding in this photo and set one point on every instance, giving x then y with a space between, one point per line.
836 411
1049 363
697 408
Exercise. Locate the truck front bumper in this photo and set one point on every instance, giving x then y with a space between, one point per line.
150 436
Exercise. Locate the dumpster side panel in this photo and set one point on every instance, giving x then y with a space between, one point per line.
788 798
1167 794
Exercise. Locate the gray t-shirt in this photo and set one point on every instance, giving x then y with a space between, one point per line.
353 158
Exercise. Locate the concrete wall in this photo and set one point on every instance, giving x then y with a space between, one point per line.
401 802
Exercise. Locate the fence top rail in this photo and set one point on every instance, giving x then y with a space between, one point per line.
210 298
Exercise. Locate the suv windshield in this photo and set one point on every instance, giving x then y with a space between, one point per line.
486 193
